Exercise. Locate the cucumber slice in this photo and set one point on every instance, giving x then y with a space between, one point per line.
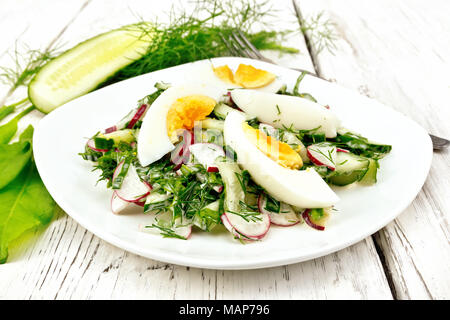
215 124
349 168
234 194
126 135
209 136
84 67
221 111
370 177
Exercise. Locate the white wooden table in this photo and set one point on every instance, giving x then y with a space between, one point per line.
395 51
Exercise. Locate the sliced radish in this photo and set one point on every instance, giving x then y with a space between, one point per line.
342 150
206 154
252 229
139 203
91 144
230 228
306 217
111 129
181 152
218 189
137 116
285 218
323 154
132 189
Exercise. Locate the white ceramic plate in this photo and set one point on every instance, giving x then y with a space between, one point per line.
362 211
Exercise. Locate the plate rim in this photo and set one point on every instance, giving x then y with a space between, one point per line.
224 264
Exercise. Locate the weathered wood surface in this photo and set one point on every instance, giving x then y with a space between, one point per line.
65 261
395 52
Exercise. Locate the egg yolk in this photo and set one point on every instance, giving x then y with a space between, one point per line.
245 76
276 150
251 77
185 111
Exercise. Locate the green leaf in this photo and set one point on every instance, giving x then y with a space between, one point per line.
8 130
6 110
25 205
14 157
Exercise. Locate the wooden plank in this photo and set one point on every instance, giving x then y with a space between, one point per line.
65 261
394 52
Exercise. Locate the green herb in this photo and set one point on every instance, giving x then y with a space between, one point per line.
248 216
166 232
26 65
295 91
207 218
272 204
278 110
361 146
319 32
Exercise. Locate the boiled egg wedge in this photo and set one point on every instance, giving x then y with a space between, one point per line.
281 179
179 107
287 111
223 77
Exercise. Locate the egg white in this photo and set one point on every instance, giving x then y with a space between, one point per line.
153 141
283 110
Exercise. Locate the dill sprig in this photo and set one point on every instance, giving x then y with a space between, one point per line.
25 66
320 32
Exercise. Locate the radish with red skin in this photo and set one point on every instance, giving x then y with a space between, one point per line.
111 129
137 116
206 154
233 231
132 188
342 150
254 229
91 144
181 153
119 206
323 154
285 218
307 218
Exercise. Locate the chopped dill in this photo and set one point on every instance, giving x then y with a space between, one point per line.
166 232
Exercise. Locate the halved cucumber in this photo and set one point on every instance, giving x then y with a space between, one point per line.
349 168
82 68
